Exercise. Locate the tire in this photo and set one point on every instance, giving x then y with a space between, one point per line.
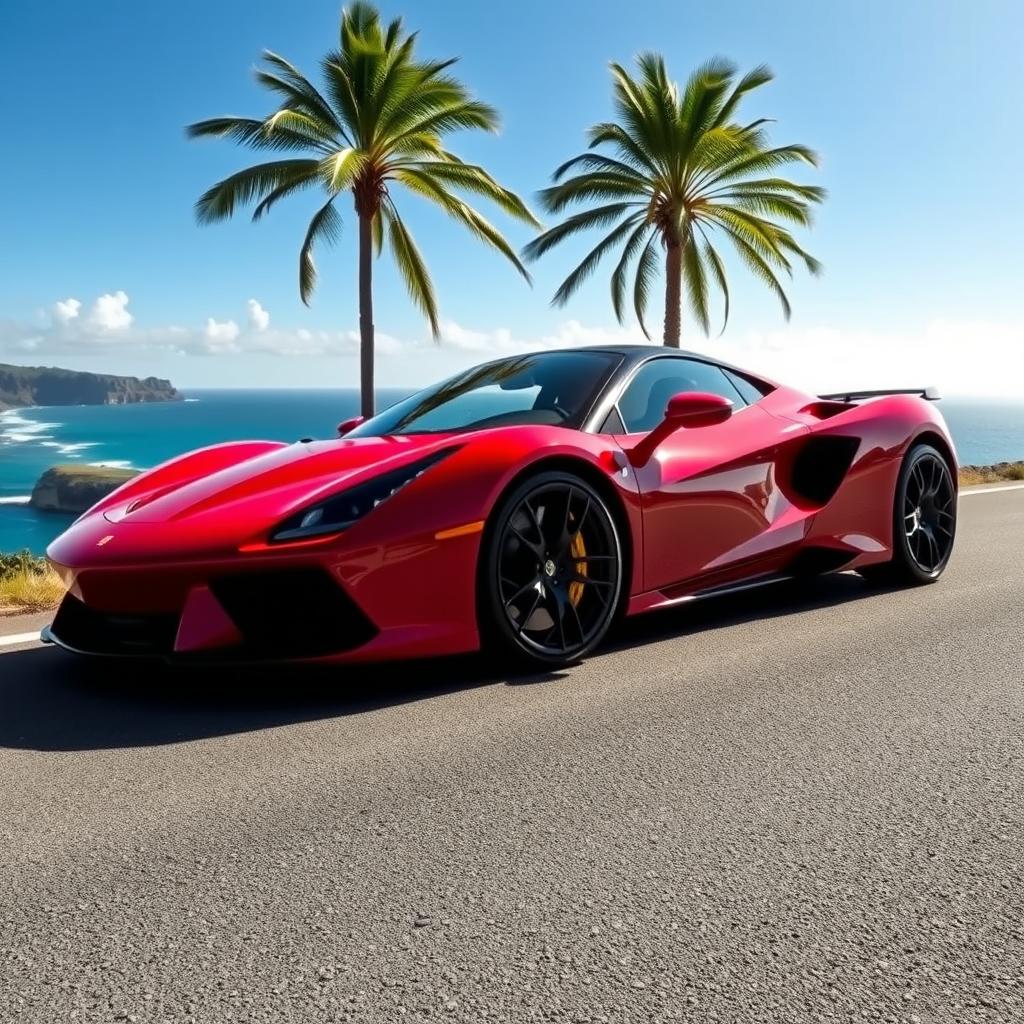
551 571
924 521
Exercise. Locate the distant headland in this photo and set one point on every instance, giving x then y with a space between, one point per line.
76 488
22 386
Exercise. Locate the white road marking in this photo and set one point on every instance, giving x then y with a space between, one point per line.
20 638
991 490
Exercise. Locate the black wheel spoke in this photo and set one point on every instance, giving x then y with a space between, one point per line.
581 632
524 589
529 615
582 518
589 581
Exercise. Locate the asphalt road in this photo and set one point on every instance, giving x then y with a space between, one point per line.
798 806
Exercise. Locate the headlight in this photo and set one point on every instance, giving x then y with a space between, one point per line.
340 511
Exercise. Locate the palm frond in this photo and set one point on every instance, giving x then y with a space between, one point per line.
761 75
629 251
248 185
589 262
718 272
695 282
598 217
325 226
296 182
646 267
247 131
411 266
472 178
594 185
426 185
341 169
759 267
289 82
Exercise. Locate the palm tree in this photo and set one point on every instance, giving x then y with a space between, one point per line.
379 122
682 171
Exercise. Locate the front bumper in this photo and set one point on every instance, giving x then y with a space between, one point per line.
285 613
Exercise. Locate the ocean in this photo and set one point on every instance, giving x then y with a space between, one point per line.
139 436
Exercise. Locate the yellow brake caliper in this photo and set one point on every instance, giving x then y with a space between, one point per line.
578 550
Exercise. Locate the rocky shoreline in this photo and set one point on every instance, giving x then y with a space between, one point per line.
25 386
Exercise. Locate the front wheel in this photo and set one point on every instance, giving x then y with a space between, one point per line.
551 570
924 520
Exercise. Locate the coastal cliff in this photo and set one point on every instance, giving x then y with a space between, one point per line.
22 386
76 488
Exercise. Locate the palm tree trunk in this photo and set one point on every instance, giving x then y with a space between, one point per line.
366 316
673 293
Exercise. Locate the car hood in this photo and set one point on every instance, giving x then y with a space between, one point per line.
263 489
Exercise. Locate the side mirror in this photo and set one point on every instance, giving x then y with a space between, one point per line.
350 424
697 409
687 409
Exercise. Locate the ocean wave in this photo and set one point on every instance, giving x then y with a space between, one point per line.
191 399
17 437
78 446
22 431
24 426
113 464
16 499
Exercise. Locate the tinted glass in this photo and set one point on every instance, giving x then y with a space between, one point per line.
643 404
553 388
612 423
751 392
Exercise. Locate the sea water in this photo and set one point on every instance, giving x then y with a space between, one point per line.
140 436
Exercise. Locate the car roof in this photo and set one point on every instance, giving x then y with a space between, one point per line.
634 353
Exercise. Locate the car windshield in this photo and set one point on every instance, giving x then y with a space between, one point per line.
550 388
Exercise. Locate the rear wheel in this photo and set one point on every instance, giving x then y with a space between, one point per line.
551 570
924 520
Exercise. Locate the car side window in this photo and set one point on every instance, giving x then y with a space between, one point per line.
642 405
750 392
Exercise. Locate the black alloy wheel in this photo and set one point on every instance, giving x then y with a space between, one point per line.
553 570
924 519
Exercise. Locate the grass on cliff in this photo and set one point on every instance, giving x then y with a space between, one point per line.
28 584
971 476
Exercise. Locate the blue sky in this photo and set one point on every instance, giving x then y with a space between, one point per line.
914 107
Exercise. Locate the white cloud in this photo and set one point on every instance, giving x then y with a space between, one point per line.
961 357
259 318
65 311
224 330
110 312
221 336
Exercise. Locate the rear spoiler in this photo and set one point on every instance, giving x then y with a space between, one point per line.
931 394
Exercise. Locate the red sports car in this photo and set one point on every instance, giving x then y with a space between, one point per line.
521 505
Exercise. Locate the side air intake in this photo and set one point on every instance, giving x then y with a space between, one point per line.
820 466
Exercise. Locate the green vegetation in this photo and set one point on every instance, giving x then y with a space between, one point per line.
683 171
379 123
1000 472
28 584
70 488
47 385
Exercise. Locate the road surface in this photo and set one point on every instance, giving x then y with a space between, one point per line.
794 806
